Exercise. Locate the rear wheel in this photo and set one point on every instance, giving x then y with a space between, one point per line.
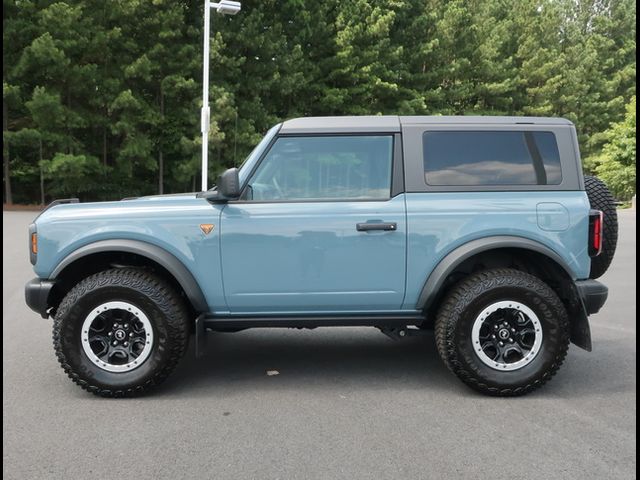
120 332
502 332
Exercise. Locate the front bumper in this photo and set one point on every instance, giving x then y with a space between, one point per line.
36 294
593 295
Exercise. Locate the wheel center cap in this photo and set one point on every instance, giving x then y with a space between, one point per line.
503 334
120 334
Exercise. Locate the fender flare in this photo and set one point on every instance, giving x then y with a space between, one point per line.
157 254
454 258
580 331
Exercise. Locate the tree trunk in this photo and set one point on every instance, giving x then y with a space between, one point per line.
41 176
160 156
160 175
5 155
70 149
235 141
104 145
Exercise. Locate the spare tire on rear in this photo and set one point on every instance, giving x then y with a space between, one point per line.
600 198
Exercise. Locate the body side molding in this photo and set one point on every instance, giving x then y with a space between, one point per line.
157 254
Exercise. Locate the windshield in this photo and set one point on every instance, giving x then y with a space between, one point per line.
247 164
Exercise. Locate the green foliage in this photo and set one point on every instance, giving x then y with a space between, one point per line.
617 164
72 174
101 99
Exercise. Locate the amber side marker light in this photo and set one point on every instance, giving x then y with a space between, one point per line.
34 243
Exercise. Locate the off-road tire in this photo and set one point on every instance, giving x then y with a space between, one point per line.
600 198
155 297
472 295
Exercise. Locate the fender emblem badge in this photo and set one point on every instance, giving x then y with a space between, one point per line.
207 228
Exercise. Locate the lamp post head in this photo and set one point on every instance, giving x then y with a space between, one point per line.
226 7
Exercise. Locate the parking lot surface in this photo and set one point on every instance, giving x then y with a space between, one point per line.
346 403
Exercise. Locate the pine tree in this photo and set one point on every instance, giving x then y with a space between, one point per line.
617 164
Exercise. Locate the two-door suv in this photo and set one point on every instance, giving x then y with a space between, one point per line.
482 228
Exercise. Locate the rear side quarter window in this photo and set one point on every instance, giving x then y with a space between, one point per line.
491 158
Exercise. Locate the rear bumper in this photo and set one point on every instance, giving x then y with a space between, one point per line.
36 294
593 294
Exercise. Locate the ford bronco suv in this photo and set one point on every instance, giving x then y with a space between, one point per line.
481 228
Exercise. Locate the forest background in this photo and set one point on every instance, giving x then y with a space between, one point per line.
101 99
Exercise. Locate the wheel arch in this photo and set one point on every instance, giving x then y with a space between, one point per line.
515 252
94 256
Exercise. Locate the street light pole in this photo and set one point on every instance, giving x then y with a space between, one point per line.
224 7
204 114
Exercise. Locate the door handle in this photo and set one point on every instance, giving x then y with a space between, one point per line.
367 227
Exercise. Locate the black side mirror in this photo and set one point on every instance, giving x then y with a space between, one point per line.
227 187
229 184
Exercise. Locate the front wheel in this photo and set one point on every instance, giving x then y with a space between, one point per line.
120 332
502 332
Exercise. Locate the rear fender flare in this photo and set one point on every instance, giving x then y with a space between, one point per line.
450 262
580 331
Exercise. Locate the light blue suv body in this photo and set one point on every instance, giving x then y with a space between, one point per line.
294 258
346 221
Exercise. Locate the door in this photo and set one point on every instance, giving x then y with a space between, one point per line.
317 230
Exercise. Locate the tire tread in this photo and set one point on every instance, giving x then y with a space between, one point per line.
454 305
600 198
147 283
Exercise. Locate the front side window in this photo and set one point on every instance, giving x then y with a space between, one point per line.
324 168
460 158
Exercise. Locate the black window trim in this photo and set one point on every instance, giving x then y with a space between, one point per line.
397 168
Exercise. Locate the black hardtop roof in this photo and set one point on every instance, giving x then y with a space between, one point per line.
393 123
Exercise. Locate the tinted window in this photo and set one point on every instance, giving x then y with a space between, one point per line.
491 158
324 167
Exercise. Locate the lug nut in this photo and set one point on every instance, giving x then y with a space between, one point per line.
114 343
126 325
511 340
513 330
501 344
126 344
495 327
493 336
131 334
110 333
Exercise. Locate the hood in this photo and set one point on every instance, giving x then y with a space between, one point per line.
125 209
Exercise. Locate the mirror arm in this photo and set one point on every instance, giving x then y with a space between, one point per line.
212 196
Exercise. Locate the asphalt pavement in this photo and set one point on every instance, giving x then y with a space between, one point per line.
348 403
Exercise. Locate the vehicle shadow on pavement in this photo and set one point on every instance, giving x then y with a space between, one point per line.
279 359
282 359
